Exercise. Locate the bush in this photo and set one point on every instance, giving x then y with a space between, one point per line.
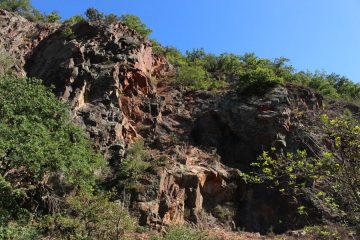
90 216
24 8
15 5
336 169
182 232
224 213
93 14
257 81
111 18
53 17
135 23
38 141
192 76
6 62
134 165
74 19
17 231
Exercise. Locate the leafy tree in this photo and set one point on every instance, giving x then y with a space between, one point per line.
53 17
24 8
337 169
135 23
38 141
92 14
111 18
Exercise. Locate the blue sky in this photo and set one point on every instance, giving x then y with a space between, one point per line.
314 34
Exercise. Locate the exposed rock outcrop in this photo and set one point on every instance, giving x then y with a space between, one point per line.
19 37
107 75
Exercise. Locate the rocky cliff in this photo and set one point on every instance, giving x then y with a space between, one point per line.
200 141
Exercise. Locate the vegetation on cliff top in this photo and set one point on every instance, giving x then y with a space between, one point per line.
47 164
251 74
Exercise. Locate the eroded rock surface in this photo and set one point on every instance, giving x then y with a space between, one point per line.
19 37
105 73
200 141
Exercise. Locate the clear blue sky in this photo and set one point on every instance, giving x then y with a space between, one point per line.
314 34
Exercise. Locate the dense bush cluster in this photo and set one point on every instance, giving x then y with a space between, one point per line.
37 142
47 165
251 74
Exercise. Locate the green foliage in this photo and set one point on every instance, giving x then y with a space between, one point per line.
67 31
134 165
16 231
184 233
250 74
6 62
337 167
74 19
53 17
193 76
191 71
24 8
224 213
93 14
91 217
257 80
328 233
135 23
37 140
16 5
111 18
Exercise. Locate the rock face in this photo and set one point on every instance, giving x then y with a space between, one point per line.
104 72
217 136
19 37
204 140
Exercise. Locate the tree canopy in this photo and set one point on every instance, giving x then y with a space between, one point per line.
38 141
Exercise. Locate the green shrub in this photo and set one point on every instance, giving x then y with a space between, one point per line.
15 5
257 81
337 167
89 216
93 14
6 62
53 17
135 23
224 213
16 231
182 232
134 165
192 76
24 8
74 19
38 140
111 18
67 31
